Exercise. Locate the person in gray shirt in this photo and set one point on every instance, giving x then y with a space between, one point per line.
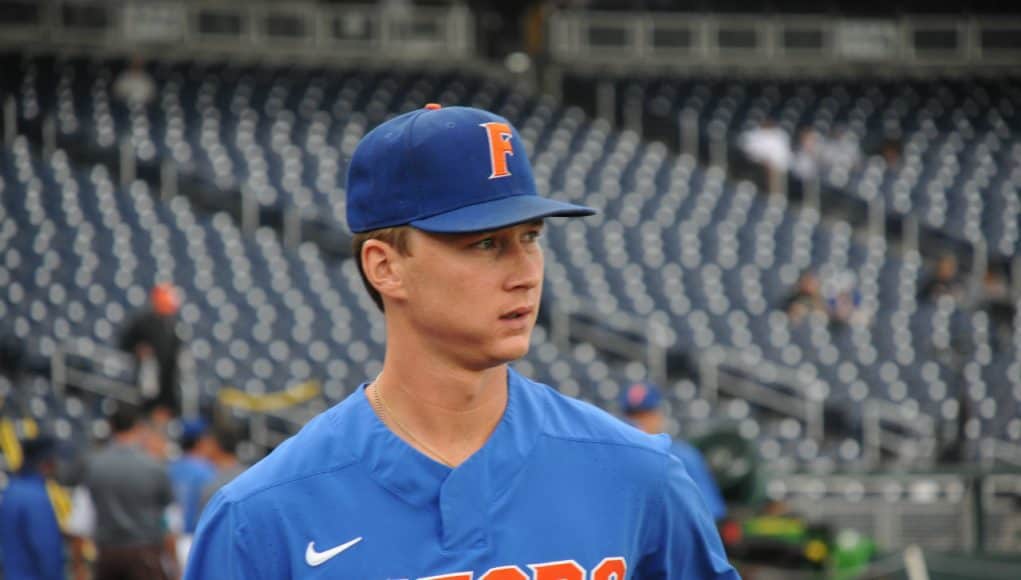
130 491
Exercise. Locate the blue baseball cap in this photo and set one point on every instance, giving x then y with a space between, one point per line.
193 429
37 450
640 397
445 170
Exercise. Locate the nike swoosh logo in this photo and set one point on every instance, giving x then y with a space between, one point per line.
313 558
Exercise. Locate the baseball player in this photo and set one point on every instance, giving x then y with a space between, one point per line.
449 465
641 405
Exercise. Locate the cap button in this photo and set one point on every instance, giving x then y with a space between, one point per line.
433 106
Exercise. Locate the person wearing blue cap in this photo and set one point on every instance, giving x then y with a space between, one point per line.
30 538
190 474
641 404
449 465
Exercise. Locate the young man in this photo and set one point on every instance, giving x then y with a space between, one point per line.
30 538
130 492
641 405
223 454
192 471
449 465
190 474
152 337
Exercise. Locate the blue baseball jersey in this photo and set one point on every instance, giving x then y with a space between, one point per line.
700 473
190 475
560 491
30 539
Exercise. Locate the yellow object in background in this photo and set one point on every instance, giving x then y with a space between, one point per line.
290 397
9 445
60 499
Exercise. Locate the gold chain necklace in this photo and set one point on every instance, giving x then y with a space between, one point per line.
381 405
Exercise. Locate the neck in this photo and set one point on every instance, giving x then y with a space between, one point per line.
126 437
453 411
225 462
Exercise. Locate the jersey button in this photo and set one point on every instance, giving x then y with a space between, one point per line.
433 106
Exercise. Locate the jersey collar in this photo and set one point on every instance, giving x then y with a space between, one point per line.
462 495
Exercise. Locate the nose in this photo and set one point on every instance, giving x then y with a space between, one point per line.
525 267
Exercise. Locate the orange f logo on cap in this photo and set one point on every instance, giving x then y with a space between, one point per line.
499 147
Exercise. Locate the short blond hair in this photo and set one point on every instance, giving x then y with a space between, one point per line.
397 236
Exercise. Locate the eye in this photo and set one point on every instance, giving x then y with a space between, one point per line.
485 244
533 235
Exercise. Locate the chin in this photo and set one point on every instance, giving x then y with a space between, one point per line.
510 351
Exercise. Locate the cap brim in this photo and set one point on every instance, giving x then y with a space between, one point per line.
499 213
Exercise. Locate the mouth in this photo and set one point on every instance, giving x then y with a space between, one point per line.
517 313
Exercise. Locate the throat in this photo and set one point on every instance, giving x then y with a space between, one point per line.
449 434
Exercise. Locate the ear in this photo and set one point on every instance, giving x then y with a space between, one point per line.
382 264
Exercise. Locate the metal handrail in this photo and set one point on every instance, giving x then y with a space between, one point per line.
884 422
63 374
875 437
992 450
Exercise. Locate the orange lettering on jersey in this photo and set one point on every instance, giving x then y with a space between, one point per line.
564 570
505 573
454 576
610 569
499 147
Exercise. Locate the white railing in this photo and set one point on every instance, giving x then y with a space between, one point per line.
111 373
626 335
897 429
905 433
108 373
993 451
806 401
934 511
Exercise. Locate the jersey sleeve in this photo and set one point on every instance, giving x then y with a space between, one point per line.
700 473
219 549
681 540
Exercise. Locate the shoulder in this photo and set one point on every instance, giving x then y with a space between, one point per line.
568 419
313 451
149 463
188 468
23 491
683 449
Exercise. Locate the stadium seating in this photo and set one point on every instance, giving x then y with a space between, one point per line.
957 138
711 258
258 316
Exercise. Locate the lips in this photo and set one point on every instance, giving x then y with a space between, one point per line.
517 313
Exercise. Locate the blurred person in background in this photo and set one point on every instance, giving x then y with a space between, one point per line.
996 301
223 453
841 149
806 298
152 337
768 146
134 86
943 281
806 162
130 492
30 536
641 404
844 303
190 474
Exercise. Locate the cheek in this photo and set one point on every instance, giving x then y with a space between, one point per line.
448 290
